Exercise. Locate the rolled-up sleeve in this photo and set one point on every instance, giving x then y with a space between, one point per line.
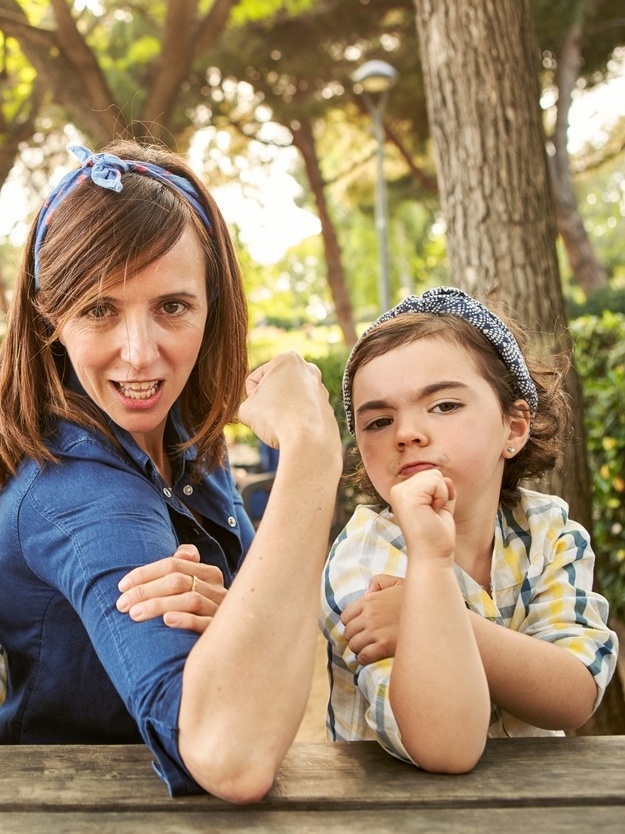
557 603
82 543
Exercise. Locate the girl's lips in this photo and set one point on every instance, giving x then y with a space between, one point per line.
413 468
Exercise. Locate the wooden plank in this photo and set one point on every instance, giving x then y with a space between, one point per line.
325 776
407 821
528 771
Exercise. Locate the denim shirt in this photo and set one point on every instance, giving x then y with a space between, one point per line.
79 670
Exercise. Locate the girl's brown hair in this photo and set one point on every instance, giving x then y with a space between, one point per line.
550 424
95 239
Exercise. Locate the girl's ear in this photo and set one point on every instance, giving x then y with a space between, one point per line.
518 429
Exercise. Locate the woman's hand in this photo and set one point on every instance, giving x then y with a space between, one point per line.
185 592
287 404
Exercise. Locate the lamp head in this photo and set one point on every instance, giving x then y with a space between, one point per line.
374 77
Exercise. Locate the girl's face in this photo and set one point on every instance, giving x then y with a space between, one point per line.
425 405
133 350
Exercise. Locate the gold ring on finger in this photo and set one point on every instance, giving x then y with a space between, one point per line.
194 584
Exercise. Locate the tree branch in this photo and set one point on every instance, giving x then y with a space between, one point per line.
172 66
212 25
44 50
77 52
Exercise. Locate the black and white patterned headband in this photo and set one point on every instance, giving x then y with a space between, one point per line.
455 302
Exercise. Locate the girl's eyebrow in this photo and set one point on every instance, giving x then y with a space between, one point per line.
418 394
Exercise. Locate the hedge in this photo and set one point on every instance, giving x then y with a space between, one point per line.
600 361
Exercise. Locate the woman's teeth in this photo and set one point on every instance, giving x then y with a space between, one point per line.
138 390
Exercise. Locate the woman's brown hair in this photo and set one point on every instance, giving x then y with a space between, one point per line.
95 239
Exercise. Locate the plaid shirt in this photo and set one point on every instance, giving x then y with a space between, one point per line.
542 572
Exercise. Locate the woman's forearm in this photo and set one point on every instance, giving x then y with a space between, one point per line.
247 680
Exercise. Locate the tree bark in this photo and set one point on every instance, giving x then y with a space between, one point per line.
480 65
304 141
587 271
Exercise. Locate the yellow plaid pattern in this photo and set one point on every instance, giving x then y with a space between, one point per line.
542 573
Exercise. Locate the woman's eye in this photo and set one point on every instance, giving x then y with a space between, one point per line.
100 311
173 307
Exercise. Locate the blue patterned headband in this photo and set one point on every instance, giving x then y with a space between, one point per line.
451 301
105 170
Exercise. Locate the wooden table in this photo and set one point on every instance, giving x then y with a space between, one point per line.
523 785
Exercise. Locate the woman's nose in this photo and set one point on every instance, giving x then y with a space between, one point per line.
138 342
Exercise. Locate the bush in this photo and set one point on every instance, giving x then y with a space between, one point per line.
606 298
331 367
600 361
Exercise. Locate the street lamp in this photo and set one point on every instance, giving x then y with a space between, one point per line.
373 81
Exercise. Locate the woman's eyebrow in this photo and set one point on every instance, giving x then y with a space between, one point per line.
109 299
415 396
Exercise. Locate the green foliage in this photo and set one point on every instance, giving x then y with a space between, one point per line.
600 360
601 196
331 367
252 10
609 298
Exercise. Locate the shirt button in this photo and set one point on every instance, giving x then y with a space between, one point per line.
188 489
232 521
167 492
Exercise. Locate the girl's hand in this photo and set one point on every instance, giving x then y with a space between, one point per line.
424 508
372 622
182 590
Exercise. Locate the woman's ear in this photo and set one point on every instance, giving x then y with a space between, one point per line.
518 423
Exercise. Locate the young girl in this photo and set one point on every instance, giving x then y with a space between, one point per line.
458 605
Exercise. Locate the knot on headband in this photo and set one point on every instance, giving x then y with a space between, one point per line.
105 170
455 302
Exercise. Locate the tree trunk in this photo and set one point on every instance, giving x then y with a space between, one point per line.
480 65
587 271
304 141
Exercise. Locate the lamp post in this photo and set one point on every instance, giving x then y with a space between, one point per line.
373 81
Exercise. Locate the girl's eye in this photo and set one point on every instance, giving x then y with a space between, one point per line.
446 407
378 423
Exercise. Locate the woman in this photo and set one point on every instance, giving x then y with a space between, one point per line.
124 358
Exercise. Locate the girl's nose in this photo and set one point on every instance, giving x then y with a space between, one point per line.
138 343
407 432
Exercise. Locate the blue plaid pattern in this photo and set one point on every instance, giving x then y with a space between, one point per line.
542 577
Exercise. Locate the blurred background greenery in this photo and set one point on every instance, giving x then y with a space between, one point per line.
256 90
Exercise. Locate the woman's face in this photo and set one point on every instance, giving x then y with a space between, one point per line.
133 350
